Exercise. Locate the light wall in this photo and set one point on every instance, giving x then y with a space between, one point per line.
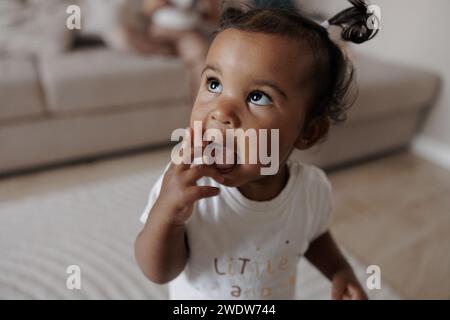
417 33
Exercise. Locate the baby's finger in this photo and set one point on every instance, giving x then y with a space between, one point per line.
338 290
346 297
200 171
186 151
195 193
189 150
356 293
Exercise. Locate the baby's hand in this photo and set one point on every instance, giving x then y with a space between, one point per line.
346 286
179 189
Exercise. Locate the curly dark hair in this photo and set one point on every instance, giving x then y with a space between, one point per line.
332 73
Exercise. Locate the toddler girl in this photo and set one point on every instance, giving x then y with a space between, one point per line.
226 231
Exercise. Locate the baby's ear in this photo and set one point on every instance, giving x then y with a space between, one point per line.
313 131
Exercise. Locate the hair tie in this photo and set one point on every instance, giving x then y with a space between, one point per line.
325 24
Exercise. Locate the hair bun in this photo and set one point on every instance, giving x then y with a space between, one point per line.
230 14
354 22
231 11
356 32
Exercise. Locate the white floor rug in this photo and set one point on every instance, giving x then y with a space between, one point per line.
93 225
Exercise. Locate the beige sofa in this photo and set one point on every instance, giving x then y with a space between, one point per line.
87 103
93 102
392 104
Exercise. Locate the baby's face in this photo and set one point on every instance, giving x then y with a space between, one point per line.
254 80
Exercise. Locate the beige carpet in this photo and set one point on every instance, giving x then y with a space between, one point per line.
87 215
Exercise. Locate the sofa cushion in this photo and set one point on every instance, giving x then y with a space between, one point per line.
34 27
59 139
101 78
386 88
20 90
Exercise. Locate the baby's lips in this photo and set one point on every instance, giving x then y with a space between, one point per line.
219 151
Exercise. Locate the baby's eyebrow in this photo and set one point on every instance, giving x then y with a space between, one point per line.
271 84
213 68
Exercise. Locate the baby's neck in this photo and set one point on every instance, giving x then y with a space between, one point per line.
266 188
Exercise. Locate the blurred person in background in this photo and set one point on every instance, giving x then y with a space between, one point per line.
181 28
172 27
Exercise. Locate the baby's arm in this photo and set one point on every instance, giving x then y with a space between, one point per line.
161 248
325 255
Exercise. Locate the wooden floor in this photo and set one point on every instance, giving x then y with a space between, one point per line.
395 213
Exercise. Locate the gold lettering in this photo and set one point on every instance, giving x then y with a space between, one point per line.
269 267
230 267
257 268
284 262
236 292
292 279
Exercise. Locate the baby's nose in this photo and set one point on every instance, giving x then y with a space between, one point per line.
224 119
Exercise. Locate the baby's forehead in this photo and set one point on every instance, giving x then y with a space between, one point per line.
266 53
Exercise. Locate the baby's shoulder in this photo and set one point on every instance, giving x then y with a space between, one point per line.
311 183
307 173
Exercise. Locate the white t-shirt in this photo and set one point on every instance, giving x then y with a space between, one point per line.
244 249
